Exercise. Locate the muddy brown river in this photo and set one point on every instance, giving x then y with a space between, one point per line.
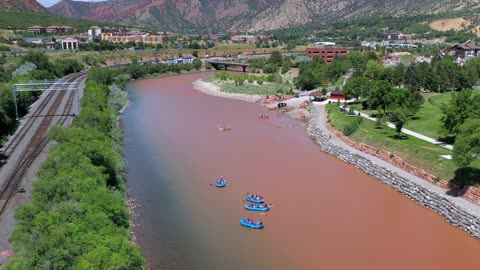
325 214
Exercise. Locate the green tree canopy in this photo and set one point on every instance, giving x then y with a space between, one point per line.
373 70
467 143
357 87
462 106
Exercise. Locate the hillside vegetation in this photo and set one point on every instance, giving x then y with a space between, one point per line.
13 19
247 15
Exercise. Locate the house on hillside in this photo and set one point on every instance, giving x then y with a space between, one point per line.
393 36
60 30
465 51
37 29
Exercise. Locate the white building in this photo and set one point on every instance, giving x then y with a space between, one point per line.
325 43
94 32
69 44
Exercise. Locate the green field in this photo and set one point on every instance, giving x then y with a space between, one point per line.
415 151
427 120
10 19
249 89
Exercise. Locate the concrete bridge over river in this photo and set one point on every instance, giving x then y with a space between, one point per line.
219 64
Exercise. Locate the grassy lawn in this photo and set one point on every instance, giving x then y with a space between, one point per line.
414 151
234 46
427 120
249 89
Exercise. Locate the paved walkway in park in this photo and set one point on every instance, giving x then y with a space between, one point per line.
409 132
321 120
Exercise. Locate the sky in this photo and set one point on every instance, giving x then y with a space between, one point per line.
49 3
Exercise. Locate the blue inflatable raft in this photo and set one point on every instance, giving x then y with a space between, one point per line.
257 207
252 225
254 199
221 183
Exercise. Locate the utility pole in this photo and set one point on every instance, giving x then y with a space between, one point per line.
15 101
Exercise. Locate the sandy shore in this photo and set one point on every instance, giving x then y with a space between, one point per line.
211 89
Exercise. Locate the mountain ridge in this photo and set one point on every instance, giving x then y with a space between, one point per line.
23 5
243 15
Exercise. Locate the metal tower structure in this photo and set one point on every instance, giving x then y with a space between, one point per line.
45 85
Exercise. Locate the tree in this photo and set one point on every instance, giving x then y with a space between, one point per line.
467 143
312 74
197 63
275 58
359 61
373 70
357 87
461 107
378 96
446 74
40 60
337 68
466 78
398 76
404 98
399 117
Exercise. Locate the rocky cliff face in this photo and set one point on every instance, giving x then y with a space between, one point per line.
243 14
24 5
165 14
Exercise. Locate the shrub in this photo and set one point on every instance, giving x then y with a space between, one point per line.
352 126
77 217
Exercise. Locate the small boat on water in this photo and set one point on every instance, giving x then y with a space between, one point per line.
222 182
263 116
254 199
252 224
224 128
256 207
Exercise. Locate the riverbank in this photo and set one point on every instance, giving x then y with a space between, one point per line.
79 196
457 211
295 108
213 90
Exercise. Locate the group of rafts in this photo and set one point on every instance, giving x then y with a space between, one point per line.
256 203
226 127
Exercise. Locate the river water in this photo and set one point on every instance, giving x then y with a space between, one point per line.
325 214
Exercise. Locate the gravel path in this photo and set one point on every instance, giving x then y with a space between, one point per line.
321 120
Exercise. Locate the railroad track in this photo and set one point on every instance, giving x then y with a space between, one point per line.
12 145
36 144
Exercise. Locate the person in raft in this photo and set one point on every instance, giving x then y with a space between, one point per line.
221 180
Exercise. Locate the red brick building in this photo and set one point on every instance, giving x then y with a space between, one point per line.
327 53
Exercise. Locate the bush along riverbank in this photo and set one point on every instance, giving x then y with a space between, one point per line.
78 217
453 213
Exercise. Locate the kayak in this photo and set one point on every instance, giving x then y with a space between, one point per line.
254 200
221 183
251 225
257 207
